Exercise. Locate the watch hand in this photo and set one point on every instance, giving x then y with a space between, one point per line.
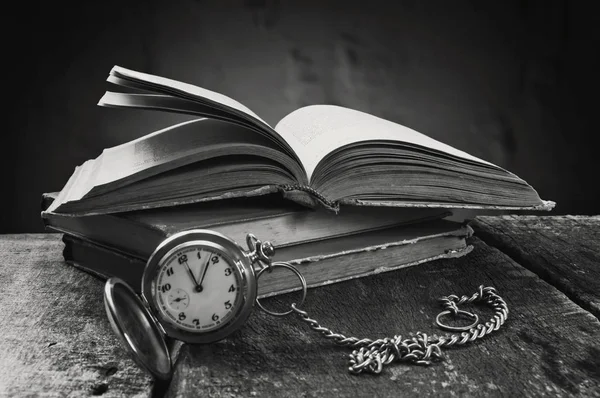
196 284
204 271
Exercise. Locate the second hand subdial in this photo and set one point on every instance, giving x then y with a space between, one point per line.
178 299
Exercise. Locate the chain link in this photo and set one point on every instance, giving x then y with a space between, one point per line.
371 355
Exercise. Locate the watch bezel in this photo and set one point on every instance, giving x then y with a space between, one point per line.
232 252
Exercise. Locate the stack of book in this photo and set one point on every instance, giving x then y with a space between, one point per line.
329 186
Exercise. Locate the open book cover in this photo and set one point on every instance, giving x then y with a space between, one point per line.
317 154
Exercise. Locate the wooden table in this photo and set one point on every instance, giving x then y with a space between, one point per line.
55 339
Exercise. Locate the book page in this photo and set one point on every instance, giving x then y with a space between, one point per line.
315 131
169 145
185 88
184 98
161 151
168 103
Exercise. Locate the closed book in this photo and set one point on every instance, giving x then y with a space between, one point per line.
321 263
285 224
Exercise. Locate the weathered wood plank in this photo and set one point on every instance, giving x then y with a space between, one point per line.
549 346
564 251
55 339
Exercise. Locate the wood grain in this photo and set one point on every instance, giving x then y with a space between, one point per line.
564 251
55 339
547 347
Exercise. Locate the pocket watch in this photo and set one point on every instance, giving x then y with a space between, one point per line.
199 286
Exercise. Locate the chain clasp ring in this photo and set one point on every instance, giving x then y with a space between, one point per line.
302 282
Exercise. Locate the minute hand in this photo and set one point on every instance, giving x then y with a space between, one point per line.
204 272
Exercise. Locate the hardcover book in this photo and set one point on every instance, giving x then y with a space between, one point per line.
284 223
325 247
317 154
321 263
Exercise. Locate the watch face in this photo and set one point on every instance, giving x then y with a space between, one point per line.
197 287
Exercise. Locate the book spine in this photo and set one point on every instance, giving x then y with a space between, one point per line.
328 204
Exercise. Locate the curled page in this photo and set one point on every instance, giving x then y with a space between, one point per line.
183 98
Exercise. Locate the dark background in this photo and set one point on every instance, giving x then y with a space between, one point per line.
513 82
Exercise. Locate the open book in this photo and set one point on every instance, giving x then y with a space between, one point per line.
319 153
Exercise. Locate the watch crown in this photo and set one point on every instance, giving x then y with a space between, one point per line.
260 251
268 249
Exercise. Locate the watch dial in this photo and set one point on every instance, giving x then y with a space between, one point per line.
197 288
